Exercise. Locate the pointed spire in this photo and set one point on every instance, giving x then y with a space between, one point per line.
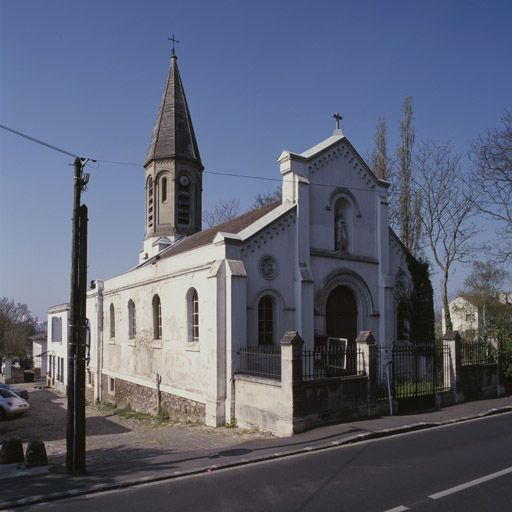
173 134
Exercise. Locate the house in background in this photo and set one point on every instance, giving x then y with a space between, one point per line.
57 347
470 319
39 355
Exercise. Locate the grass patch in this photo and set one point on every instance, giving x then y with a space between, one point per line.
128 413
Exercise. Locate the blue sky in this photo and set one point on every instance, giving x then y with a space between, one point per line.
262 76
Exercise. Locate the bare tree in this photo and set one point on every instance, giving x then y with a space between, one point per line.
267 198
224 210
379 158
409 201
492 154
16 325
446 210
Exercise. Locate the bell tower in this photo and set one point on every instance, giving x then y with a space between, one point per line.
173 171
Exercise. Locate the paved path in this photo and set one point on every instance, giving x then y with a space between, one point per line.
119 460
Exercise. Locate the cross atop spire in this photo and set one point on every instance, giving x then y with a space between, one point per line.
338 118
174 40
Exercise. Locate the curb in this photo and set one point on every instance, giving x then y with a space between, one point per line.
349 440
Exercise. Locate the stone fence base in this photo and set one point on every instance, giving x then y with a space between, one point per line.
145 399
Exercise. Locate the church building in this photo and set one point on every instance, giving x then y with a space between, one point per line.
322 261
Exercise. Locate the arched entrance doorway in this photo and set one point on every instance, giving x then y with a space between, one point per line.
341 314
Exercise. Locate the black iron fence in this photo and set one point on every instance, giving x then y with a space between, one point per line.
333 362
261 361
413 370
478 353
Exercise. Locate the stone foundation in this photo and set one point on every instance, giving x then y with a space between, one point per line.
144 399
89 394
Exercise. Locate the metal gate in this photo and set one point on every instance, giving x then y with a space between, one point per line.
413 371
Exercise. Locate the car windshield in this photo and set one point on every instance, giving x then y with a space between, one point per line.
5 393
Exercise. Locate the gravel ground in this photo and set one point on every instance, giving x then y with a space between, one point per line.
112 436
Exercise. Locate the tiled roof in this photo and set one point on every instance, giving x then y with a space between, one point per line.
173 134
206 236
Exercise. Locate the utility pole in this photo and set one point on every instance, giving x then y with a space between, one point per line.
75 426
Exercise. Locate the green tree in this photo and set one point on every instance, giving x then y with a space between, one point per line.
483 288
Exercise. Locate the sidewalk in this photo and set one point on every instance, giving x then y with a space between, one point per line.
134 465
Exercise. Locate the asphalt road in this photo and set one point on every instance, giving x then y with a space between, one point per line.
466 466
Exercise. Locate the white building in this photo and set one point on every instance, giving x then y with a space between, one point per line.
39 353
322 261
57 346
470 319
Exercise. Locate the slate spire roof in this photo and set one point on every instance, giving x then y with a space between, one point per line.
173 134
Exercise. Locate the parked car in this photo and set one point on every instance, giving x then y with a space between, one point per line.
22 393
11 404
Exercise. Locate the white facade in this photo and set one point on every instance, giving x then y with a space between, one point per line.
469 319
57 347
294 259
39 353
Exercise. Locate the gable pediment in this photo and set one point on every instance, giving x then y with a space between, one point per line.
343 151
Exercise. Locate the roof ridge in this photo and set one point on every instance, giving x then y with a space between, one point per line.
206 236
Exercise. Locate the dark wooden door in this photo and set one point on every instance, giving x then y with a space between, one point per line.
341 314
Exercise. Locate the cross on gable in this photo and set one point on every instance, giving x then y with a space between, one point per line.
338 118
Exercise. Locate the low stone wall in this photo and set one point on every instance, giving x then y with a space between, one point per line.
17 376
144 399
334 400
478 381
261 403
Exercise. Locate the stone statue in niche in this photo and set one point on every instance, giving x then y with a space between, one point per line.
340 233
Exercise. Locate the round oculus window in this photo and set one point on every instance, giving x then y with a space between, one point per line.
184 181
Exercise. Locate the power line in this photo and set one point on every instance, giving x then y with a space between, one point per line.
37 141
132 164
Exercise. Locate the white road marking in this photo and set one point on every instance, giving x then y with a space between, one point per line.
471 483
401 508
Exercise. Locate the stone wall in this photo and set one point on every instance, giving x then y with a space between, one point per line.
144 399
334 400
478 381
17 376
259 404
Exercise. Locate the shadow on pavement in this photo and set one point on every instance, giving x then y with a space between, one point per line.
46 421
118 464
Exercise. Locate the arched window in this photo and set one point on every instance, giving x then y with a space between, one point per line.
266 321
149 192
157 318
132 323
193 315
163 192
112 321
